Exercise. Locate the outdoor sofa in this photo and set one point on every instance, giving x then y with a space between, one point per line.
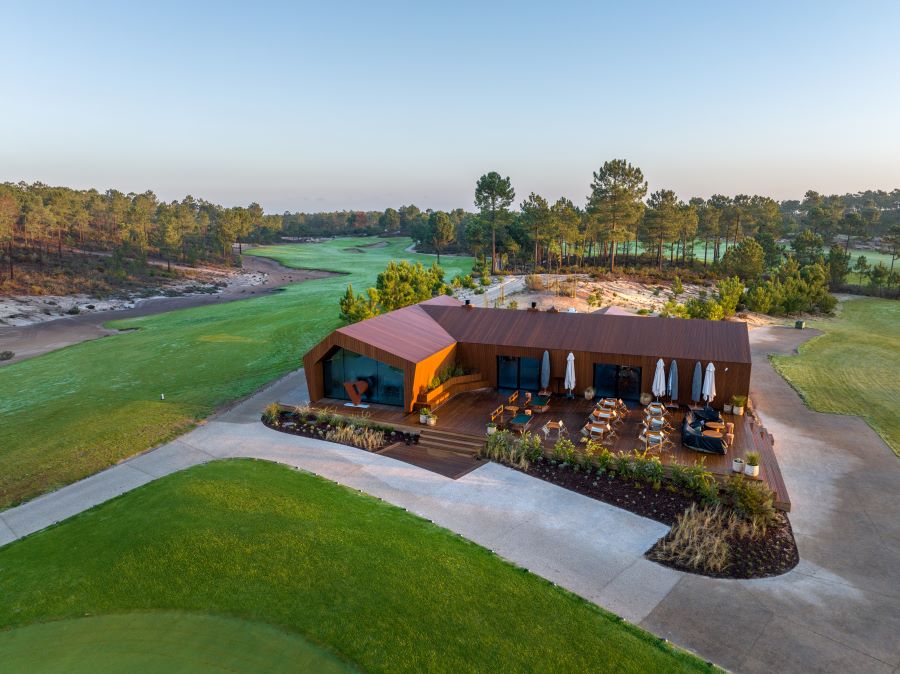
692 436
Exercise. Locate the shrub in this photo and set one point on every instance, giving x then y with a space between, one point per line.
677 286
73 310
6 355
696 480
534 282
531 447
272 414
512 305
751 500
564 450
486 280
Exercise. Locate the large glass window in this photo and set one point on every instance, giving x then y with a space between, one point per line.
385 382
617 381
518 373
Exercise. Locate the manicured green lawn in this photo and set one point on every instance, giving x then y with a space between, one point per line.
854 368
72 412
161 642
372 584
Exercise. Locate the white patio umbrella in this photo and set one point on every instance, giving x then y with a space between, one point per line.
673 381
709 384
659 379
570 373
545 371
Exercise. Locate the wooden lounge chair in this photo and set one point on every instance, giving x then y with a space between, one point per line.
497 415
520 422
557 426
540 403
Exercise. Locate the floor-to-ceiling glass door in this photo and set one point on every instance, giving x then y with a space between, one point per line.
518 373
617 381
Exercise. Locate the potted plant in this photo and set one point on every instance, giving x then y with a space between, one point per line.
431 420
589 393
752 467
737 465
737 405
491 428
424 413
726 408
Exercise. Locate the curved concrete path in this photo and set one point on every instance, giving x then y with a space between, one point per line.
839 610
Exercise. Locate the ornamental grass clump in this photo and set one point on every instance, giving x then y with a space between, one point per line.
752 501
699 540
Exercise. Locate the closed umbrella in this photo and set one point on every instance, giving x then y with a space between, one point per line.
673 381
709 384
570 373
697 385
545 371
659 379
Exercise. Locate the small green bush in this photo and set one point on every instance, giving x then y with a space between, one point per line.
6 355
752 500
272 414
564 450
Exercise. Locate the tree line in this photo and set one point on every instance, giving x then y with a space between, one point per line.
39 222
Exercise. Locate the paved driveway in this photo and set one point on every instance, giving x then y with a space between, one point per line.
837 611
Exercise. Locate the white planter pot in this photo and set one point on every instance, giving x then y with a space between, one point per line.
752 471
737 465
589 394
423 418
737 411
431 421
491 430
726 408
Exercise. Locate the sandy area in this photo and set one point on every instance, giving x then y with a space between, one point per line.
572 292
50 332
21 310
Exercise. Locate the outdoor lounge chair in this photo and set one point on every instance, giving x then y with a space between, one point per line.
540 403
520 422
708 414
557 426
692 437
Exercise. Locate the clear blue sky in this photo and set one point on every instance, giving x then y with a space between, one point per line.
314 106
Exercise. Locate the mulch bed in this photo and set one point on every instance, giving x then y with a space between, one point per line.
773 554
661 505
309 427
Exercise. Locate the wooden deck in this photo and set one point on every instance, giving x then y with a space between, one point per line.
466 415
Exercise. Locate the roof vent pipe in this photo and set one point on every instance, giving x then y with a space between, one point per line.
534 305
468 302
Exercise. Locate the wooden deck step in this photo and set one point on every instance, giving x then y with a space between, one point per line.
458 443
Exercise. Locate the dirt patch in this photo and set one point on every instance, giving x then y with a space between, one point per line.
376 244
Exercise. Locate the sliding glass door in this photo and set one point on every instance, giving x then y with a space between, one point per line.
514 373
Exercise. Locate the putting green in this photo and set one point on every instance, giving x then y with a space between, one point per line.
160 642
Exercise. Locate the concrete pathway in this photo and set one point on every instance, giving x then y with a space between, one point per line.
837 611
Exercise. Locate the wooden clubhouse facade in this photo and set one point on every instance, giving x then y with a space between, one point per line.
399 353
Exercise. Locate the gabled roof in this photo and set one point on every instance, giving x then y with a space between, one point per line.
627 335
408 333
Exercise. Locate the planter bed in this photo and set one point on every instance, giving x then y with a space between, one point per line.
773 554
309 426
